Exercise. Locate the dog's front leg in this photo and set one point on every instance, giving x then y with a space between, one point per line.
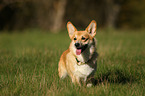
90 81
76 80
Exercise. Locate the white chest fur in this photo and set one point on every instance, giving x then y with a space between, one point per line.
83 70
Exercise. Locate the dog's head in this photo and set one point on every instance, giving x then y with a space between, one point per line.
82 39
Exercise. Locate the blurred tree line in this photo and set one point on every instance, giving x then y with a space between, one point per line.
53 14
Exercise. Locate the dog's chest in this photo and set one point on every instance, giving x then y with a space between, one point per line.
83 70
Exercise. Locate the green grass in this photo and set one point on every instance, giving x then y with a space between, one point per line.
29 62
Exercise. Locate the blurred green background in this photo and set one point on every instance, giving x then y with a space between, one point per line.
30 51
54 14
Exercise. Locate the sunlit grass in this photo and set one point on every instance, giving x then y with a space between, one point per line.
29 62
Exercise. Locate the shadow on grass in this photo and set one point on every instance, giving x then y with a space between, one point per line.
115 76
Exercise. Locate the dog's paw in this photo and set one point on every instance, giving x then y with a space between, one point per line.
89 85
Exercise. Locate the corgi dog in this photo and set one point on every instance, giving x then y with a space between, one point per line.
79 61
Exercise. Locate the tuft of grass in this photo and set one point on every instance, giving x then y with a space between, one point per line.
29 62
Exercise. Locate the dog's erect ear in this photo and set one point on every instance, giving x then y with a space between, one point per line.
92 28
71 29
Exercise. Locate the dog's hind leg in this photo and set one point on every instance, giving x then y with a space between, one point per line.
62 70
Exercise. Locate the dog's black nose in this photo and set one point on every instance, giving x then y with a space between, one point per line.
77 44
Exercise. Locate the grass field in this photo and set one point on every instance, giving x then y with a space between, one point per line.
29 62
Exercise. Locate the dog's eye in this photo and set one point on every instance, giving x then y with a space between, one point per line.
75 38
83 38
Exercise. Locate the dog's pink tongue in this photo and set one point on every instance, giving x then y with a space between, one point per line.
78 51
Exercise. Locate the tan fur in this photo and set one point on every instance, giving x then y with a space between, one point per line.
86 67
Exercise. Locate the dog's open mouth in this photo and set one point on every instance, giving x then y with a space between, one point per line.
79 50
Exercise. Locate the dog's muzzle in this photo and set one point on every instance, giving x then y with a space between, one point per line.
77 45
80 48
